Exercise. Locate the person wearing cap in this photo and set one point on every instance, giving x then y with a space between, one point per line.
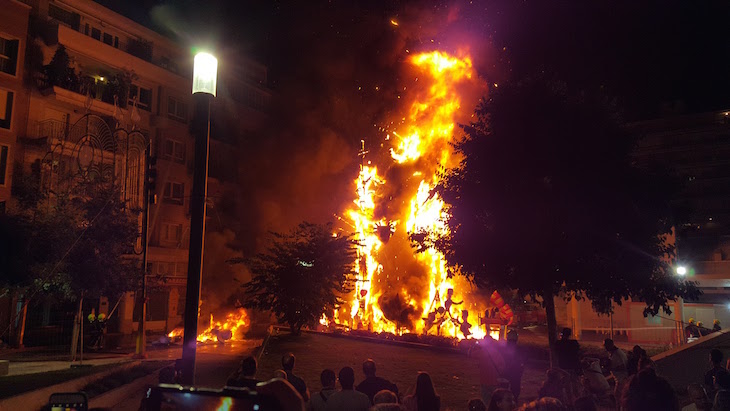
691 330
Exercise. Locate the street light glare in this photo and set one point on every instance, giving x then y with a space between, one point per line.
205 71
681 270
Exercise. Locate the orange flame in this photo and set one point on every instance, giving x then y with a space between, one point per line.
445 301
231 328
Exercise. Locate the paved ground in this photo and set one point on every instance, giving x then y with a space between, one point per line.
214 363
455 376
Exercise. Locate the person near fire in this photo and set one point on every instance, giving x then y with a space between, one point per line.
318 402
287 363
373 384
491 367
514 364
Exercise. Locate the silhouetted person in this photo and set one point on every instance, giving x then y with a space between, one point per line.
556 385
502 400
716 325
372 384
287 363
636 355
715 370
385 397
425 397
318 402
618 362
645 391
514 365
347 399
691 330
567 351
245 376
722 397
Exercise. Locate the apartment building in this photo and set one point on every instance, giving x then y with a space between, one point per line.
68 119
696 148
13 96
13 115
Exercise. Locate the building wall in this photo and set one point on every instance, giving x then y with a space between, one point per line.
13 39
102 44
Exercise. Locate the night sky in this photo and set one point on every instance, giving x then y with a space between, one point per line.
326 59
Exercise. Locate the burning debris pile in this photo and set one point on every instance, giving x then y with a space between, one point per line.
397 289
232 328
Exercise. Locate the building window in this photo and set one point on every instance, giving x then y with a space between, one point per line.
143 95
176 109
6 108
174 193
174 150
171 233
95 33
108 39
8 55
71 19
3 164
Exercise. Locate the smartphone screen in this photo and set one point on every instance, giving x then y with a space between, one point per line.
194 400
71 401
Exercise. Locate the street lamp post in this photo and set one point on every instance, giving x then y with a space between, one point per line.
205 68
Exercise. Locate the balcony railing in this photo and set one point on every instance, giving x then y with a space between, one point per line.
52 129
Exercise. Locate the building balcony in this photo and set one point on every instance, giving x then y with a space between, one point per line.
120 57
74 96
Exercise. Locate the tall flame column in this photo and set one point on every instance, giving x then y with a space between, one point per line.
205 69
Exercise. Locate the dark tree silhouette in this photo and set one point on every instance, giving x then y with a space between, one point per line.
548 200
78 246
302 275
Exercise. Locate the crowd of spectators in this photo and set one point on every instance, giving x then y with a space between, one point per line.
619 381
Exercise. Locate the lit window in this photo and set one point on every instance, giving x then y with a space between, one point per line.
8 55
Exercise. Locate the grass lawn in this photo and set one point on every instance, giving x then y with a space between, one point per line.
455 376
18 384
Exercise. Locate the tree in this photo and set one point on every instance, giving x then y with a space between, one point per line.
302 274
80 245
547 200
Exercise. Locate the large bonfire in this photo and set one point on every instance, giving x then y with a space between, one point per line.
397 289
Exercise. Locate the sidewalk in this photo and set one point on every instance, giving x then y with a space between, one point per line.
39 360
34 367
